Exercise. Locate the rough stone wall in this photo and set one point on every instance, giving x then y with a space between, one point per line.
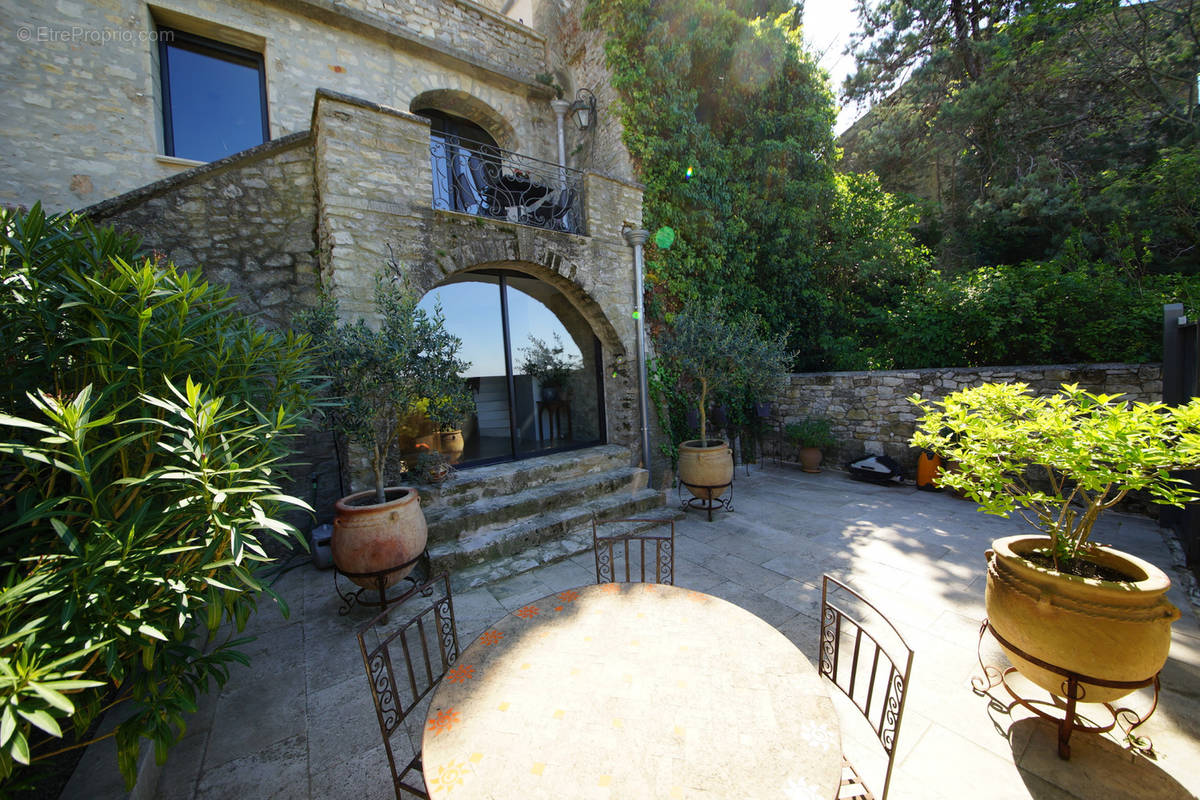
375 187
80 115
870 412
463 25
248 221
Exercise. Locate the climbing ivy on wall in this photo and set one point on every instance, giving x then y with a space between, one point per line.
730 123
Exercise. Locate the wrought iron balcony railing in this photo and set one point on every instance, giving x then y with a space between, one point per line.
481 179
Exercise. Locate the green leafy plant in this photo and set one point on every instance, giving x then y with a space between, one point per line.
810 432
548 363
380 377
144 430
1059 460
709 355
431 467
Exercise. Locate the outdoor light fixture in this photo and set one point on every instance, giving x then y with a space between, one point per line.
583 109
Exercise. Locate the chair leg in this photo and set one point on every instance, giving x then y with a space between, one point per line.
413 766
852 783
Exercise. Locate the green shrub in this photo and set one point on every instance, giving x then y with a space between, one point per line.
1065 310
810 432
144 429
709 358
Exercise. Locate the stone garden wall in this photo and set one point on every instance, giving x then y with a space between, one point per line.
870 412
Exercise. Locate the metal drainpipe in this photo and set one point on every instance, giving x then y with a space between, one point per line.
635 238
560 111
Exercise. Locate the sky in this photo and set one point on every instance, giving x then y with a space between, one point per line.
827 28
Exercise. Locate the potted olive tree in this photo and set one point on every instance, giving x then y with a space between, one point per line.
809 436
711 357
379 378
550 366
1059 462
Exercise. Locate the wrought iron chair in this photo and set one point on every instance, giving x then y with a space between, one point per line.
883 704
411 640
631 544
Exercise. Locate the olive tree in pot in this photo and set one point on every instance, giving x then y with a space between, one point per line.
550 366
380 377
714 357
1059 461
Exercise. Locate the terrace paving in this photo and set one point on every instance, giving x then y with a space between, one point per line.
299 722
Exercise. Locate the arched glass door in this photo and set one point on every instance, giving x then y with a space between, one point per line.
534 366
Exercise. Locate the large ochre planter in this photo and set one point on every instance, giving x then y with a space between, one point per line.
810 459
706 465
1117 631
371 537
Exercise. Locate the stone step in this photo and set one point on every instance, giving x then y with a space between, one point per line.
478 483
500 553
458 523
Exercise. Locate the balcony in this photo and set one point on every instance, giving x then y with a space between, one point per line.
481 179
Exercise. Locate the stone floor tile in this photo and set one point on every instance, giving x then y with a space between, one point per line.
744 573
691 575
756 603
1098 761
341 773
342 720
278 771
943 764
256 712
566 575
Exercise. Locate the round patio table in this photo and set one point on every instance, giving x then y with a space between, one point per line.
631 691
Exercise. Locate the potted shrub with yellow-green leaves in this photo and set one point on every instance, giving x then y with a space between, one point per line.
381 377
809 436
1059 462
712 357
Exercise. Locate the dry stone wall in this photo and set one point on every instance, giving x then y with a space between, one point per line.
464 26
870 412
81 104
248 221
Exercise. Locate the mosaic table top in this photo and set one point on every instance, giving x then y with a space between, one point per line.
631 691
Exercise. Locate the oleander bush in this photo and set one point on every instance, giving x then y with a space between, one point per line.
144 423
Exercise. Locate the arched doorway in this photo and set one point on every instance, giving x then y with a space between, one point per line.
535 365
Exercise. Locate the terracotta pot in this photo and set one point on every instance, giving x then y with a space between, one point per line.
706 466
369 537
452 445
810 459
1119 631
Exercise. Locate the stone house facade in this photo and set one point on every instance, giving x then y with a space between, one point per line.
354 168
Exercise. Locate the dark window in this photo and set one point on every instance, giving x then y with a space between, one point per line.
465 162
214 97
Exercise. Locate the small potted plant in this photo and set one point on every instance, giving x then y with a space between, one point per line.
810 436
713 356
1059 462
380 378
550 366
432 467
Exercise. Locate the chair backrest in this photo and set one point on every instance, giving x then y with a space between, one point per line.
874 676
625 542
416 637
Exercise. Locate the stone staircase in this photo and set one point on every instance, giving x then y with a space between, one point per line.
487 523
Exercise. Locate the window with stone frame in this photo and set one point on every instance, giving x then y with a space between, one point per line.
214 97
